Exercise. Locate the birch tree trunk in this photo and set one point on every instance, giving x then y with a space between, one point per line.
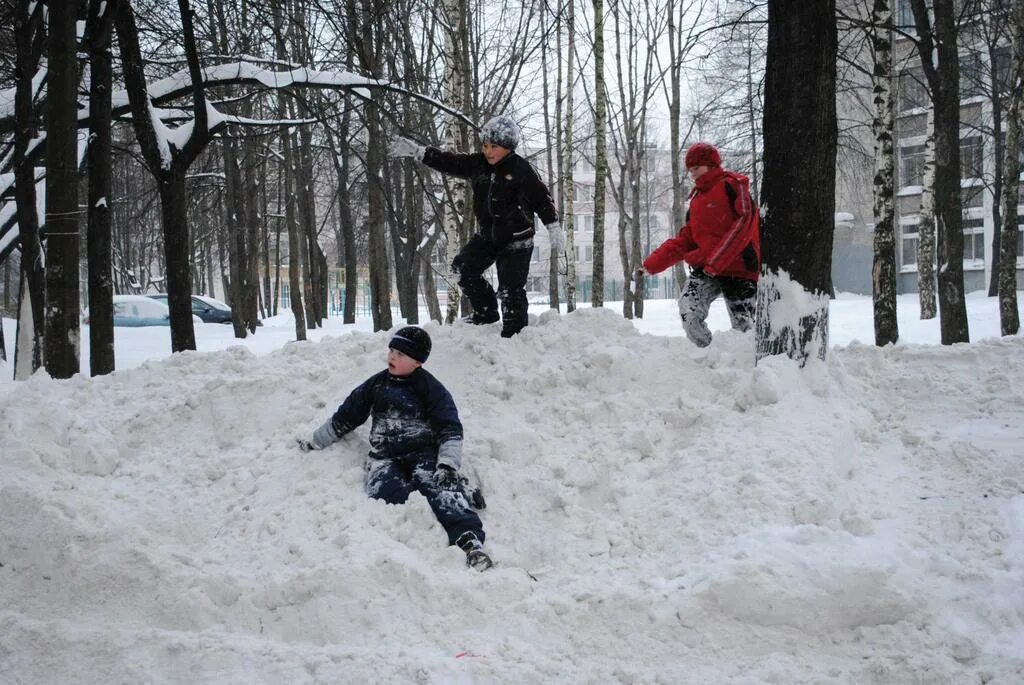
799 184
883 272
600 157
61 340
1009 318
554 294
568 187
941 63
456 137
926 225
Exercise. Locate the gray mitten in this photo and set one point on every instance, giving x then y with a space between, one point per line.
446 478
403 147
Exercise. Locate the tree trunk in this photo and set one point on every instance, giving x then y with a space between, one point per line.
234 204
456 136
317 281
884 268
601 156
295 289
926 226
568 187
1009 318
61 339
176 249
99 242
554 296
799 184
380 272
28 345
941 64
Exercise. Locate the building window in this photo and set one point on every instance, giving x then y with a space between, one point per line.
285 298
972 197
974 240
912 165
908 249
972 75
584 222
912 92
582 192
1001 68
589 251
908 245
1020 236
904 15
536 254
971 157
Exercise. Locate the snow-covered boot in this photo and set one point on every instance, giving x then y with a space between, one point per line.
481 318
476 557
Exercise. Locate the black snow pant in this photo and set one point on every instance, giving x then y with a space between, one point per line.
393 480
513 265
701 290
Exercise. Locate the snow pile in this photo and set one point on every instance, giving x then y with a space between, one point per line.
658 514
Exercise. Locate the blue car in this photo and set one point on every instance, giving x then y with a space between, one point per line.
207 309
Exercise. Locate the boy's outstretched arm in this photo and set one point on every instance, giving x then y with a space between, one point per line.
352 413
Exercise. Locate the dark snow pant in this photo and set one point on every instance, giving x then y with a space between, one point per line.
393 480
701 290
513 267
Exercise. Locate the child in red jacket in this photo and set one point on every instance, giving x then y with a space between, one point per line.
721 243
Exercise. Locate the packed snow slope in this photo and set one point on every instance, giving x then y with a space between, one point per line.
658 514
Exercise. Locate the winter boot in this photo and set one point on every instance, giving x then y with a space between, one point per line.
476 557
481 318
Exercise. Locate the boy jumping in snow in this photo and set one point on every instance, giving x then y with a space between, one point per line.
721 243
507 193
415 440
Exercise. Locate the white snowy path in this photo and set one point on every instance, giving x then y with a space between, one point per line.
658 513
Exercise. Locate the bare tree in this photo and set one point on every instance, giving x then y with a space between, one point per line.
1009 319
568 139
99 32
29 41
883 273
600 156
937 47
798 196
62 239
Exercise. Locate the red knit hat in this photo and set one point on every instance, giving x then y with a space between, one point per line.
702 154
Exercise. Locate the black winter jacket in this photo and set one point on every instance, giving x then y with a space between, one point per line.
412 415
505 196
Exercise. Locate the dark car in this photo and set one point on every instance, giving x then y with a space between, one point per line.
206 308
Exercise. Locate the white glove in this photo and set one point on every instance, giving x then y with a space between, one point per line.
556 236
403 147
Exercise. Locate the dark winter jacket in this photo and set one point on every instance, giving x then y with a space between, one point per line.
722 231
505 196
412 415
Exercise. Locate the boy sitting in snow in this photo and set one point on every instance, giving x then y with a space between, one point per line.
415 440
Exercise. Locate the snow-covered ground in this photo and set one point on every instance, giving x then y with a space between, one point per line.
658 513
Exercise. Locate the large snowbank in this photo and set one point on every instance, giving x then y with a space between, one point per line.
658 514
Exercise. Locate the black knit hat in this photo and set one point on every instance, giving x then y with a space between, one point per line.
412 341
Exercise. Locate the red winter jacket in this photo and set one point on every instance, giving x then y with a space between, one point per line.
722 231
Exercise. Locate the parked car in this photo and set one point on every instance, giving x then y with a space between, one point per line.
206 308
138 310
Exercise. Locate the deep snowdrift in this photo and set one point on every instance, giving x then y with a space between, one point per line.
658 514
